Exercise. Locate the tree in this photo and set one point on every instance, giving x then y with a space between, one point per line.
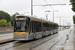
3 23
73 8
5 15
74 19
13 16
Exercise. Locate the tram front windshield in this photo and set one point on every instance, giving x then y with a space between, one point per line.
21 26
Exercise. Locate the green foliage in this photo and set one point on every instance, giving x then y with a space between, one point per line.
3 22
13 16
73 8
9 24
13 23
73 4
72 1
4 15
74 19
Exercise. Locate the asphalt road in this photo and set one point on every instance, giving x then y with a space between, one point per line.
50 42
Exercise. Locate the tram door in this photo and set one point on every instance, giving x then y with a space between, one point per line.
33 29
44 29
47 29
36 29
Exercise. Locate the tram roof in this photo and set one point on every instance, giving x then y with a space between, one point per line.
35 17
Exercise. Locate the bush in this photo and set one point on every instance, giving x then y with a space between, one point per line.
9 24
3 23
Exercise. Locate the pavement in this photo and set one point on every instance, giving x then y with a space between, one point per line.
6 37
70 41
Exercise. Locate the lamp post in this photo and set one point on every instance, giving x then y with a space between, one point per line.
42 5
53 14
31 7
47 14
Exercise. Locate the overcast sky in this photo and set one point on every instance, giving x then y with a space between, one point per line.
24 6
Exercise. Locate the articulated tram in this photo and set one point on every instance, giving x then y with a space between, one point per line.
29 28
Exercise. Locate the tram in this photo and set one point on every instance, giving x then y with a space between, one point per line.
29 28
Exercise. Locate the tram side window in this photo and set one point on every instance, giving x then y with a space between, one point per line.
33 26
54 26
38 26
44 25
57 27
48 28
51 26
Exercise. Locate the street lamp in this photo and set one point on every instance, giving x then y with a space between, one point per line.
53 14
47 14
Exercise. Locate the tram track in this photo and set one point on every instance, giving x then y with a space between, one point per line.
33 43
29 42
31 48
41 42
57 42
17 43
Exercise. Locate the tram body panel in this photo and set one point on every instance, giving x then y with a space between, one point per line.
47 33
43 33
51 31
21 37
29 28
38 35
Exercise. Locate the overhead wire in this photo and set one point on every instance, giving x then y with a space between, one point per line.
61 6
39 3
47 3
51 6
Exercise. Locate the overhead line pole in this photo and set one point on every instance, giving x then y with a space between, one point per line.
60 17
42 5
31 7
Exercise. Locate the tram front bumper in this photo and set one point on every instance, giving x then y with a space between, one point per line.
20 38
